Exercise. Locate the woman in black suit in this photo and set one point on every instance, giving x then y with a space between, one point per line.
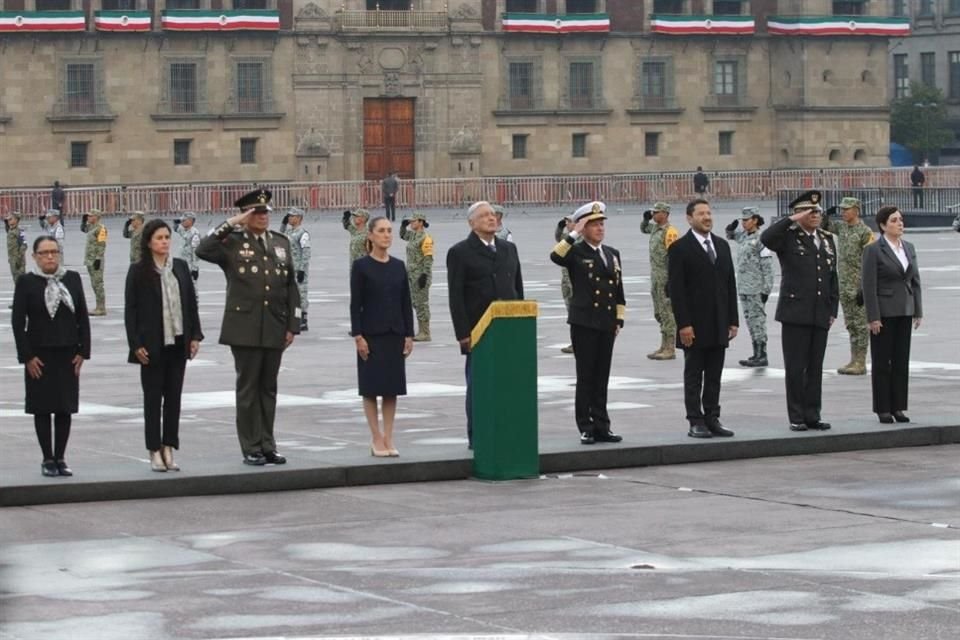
163 332
381 319
891 295
52 331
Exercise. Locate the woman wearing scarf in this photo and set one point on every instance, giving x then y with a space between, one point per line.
52 331
163 332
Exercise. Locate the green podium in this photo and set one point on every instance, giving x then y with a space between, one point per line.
503 372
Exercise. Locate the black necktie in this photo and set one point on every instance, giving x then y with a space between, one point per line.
263 245
710 252
602 257
493 247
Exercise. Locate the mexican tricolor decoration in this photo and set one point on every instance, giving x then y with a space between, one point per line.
540 23
245 20
702 25
122 20
838 26
33 21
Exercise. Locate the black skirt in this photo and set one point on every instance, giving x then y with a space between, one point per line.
384 372
58 389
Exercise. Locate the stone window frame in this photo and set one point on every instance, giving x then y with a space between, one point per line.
506 102
164 106
655 137
738 97
74 145
901 81
597 102
522 148
928 68
578 144
644 100
725 140
244 141
268 107
177 142
101 107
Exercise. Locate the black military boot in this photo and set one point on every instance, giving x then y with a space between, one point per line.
761 359
303 322
749 362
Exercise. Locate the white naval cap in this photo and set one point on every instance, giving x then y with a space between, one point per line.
591 211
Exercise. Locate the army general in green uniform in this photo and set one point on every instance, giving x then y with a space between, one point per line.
419 269
94 258
262 316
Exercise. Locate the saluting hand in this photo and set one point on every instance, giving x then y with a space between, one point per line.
34 368
242 218
581 223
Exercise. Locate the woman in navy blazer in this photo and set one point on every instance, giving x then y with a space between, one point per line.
52 330
381 321
163 332
891 295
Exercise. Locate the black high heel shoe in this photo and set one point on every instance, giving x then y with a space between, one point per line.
899 416
885 418
63 469
49 468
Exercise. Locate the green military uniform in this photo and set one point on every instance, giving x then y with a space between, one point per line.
134 235
852 239
262 306
419 272
93 260
300 250
358 235
16 247
661 237
754 283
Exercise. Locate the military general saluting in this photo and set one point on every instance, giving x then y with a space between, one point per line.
262 316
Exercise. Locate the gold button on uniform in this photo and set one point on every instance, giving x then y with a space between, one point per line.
268 287
596 304
266 303
597 292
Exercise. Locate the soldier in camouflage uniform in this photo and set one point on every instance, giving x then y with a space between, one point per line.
853 235
93 258
190 239
662 234
564 227
754 280
419 270
133 229
355 223
502 232
16 247
300 252
50 223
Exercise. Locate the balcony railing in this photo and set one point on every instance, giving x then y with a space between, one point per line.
184 108
726 100
519 103
351 20
251 107
655 103
79 108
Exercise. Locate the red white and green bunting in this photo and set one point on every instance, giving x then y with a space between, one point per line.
540 23
246 20
702 25
33 21
838 26
122 20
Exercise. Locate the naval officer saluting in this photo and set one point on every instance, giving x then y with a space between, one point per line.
261 317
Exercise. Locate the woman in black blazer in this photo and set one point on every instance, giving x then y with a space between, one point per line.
52 331
163 332
381 320
891 295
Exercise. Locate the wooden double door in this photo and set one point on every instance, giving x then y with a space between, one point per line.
388 137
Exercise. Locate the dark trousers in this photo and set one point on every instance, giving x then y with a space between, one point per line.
702 369
53 449
162 382
390 204
593 352
257 370
803 349
890 370
918 197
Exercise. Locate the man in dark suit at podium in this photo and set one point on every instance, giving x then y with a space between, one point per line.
596 315
480 269
703 291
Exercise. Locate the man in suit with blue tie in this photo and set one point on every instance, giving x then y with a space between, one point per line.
596 315
480 269
703 292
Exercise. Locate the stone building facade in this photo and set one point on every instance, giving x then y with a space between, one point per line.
274 90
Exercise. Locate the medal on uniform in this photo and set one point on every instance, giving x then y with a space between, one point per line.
254 269
242 269
281 254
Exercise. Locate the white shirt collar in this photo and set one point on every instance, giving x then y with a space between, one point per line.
702 238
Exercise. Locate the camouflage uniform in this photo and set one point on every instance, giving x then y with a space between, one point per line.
300 253
16 249
502 232
851 241
188 249
661 237
54 230
358 235
419 272
93 259
754 284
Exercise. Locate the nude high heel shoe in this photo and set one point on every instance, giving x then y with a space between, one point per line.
168 462
156 462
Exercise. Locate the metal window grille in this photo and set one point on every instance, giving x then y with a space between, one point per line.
651 144
727 7
655 79
519 147
579 144
928 69
668 6
78 154
248 151
581 85
181 152
725 81
183 87
522 6
901 77
251 4
183 4
250 87
80 92
954 74
848 7
726 143
521 85
581 6
119 5
53 5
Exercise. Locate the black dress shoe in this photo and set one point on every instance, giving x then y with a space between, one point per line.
899 416
587 438
63 469
699 431
713 424
255 459
607 436
818 425
272 457
885 418
798 426
49 468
